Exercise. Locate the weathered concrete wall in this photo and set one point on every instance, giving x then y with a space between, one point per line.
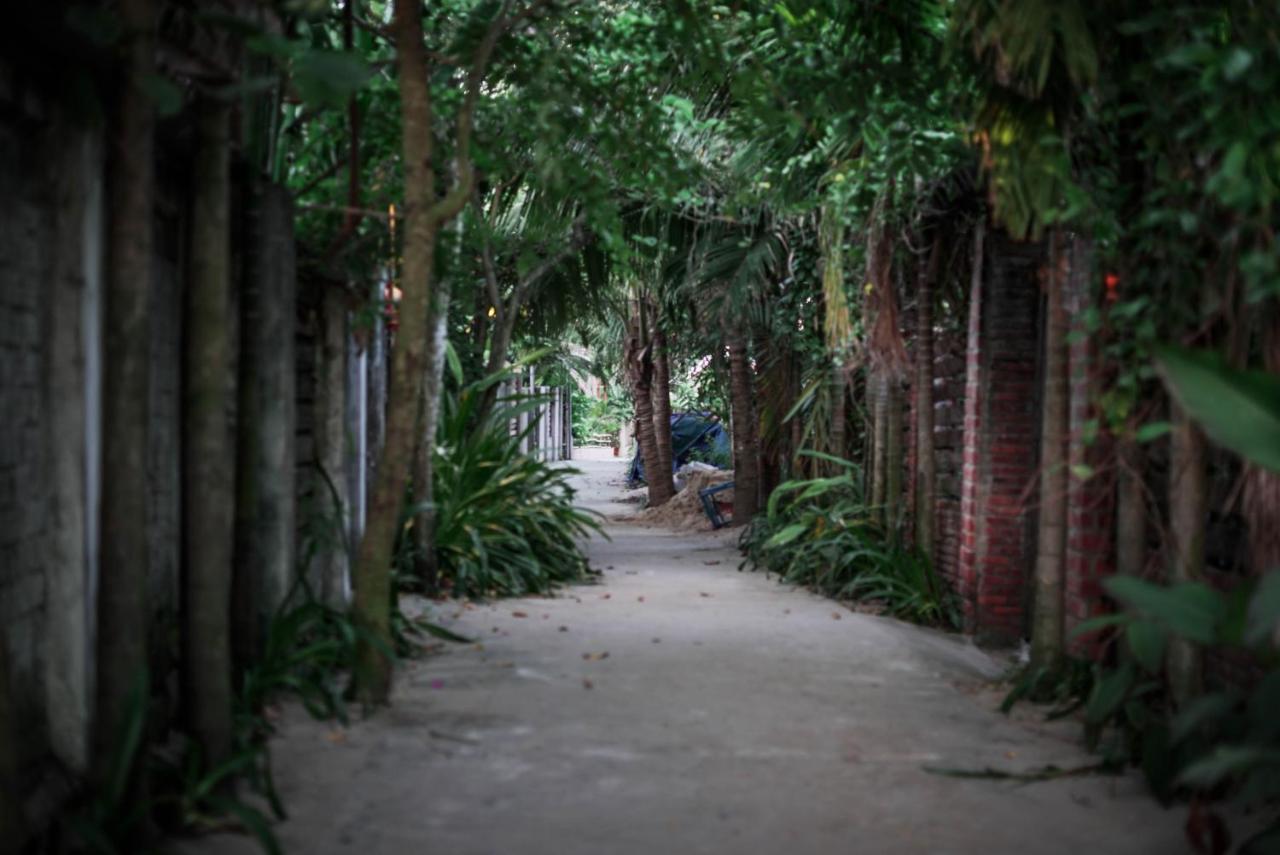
50 280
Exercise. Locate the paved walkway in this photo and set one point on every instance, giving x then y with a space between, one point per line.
682 706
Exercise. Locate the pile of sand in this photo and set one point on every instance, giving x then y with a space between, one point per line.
684 510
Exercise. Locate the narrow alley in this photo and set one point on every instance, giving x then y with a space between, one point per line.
682 706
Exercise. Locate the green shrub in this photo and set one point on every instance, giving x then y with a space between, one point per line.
821 534
506 523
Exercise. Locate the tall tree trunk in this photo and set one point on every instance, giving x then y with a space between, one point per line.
662 415
122 593
746 441
839 415
209 492
1188 517
1262 487
1047 613
427 566
893 462
1131 522
638 354
926 473
372 608
878 388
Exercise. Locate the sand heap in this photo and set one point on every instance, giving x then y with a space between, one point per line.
684 511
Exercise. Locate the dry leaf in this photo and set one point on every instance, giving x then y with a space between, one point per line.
336 736
835 616
587 684
703 594
605 596
710 563
519 614
595 657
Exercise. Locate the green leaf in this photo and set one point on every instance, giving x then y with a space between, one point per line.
1147 642
787 534
1108 694
1191 609
1238 409
1227 761
327 78
1263 619
166 96
1264 702
1198 712
1152 431
1100 622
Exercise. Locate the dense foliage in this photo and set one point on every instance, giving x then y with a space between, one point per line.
820 533
506 523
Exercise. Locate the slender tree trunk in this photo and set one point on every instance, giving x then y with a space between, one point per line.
662 416
424 524
122 593
1131 522
839 414
893 462
1188 517
1262 487
877 386
209 492
1047 614
504 330
372 608
746 441
638 355
926 473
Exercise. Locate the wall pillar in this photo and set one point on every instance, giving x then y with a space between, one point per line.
1000 436
1090 490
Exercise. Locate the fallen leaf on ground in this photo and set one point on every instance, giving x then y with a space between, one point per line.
639 599
835 616
587 684
519 614
480 647
710 563
564 629
703 594
336 736
595 657
605 596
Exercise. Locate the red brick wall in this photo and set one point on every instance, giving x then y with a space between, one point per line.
948 450
997 545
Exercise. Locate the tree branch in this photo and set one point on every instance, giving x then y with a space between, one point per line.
453 201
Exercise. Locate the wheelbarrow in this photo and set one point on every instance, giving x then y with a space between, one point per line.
712 507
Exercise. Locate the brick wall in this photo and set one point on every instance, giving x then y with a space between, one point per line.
1001 436
948 449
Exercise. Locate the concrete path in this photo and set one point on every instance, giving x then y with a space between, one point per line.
681 706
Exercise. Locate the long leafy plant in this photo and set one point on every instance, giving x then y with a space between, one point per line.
822 534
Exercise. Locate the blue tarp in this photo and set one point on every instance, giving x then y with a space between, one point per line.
694 436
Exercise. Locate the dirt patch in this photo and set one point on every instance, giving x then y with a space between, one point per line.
684 511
